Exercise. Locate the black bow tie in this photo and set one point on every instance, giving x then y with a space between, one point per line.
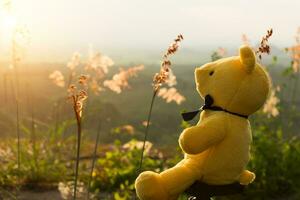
187 116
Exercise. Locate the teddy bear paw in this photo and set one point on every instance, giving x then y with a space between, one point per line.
149 187
247 177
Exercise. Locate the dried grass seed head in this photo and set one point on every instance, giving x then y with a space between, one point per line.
162 77
264 46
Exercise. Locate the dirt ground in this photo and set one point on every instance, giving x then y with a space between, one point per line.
32 195
45 195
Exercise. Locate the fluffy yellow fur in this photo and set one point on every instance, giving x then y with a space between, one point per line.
217 148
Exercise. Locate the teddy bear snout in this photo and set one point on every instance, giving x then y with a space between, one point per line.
199 76
198 72
201 80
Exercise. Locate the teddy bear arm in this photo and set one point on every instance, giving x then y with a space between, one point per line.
197 139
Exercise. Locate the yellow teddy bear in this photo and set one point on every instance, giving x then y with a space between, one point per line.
217 148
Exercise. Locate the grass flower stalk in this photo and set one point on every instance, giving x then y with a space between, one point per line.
158 80
77 98
78 120
93 160
30 106
146 131
14 64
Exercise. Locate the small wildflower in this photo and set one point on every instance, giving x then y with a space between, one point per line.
120 80
57 78
95 87
74 62
170 95
83 80
171 81
160 155
98 62
72 89
145 123
128 129
6 154
133 144
66 189
270 107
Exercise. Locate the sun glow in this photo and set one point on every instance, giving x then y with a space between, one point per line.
8 24
9 21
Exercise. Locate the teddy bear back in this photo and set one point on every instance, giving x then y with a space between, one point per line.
238 84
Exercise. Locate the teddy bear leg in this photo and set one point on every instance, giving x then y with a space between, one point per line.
177 179
246 177
165 186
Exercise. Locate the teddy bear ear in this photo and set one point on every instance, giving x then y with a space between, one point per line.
247 58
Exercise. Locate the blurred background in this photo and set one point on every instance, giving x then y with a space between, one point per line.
119 46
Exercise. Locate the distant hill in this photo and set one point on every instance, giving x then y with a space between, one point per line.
129 107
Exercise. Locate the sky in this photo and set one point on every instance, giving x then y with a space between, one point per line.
60 27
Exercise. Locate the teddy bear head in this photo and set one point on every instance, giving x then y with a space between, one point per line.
238 84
